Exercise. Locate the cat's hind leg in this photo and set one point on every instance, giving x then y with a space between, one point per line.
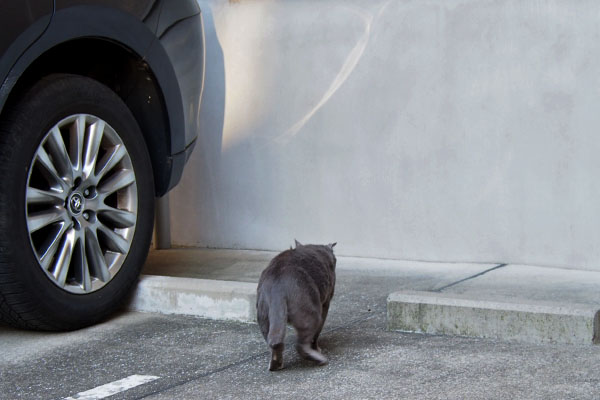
276 348
307 328
306 351
277 319
272 332
324 312
276 357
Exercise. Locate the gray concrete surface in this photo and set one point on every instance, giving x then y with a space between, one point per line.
519 303
534 283
202 358
206 298
448 130
511 319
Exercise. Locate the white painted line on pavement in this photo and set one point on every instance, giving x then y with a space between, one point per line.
112 388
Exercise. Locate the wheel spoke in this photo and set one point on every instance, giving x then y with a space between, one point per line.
92 145
118 181
38 196
58 151
118 218
51 246
95 257
77 132
54 179
114 241
81 263
63 260
39 220
109 161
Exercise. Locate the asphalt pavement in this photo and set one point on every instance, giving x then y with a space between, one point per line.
184 357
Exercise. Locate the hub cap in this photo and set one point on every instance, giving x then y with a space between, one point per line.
76 203
81 203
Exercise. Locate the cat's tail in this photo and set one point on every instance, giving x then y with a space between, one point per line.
277 324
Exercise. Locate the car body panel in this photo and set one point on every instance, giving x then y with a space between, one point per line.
26 21
140 9
167 36
180 43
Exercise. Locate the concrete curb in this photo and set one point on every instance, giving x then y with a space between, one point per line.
525 321
198 297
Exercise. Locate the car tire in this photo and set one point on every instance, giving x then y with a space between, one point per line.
76 204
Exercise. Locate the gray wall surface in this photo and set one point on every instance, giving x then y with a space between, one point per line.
438 130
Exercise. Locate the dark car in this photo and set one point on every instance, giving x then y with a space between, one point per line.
99 106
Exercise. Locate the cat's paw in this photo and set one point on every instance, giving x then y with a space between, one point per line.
276 365
323 362
309 353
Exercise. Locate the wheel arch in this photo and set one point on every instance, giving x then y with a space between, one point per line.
132 63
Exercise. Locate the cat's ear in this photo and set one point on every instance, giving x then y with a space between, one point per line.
298 244
332 245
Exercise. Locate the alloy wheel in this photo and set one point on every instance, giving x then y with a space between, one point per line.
81 203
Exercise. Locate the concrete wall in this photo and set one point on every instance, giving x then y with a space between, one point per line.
439 130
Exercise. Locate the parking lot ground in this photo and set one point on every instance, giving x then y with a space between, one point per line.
513 302
192 358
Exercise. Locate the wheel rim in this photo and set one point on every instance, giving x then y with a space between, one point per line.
81 203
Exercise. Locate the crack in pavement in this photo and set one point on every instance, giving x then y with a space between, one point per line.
470 277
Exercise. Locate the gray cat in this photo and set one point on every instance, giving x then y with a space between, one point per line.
296 287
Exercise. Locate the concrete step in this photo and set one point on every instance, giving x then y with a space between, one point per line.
207 298
507 319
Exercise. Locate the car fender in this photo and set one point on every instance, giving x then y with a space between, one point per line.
106 23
